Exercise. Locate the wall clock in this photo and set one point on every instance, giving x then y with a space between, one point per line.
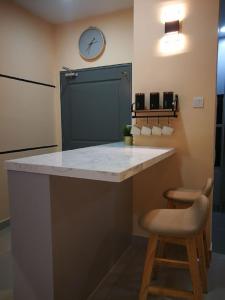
92 43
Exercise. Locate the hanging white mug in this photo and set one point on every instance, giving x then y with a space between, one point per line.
135 130
146 131
156 130
167 130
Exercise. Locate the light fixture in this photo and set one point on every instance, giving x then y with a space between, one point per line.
222 29
173 42
173 26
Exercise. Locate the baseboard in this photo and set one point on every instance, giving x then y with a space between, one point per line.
139 240
4 223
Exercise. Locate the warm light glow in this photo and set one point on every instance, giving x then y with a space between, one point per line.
173 13
172 44
222 29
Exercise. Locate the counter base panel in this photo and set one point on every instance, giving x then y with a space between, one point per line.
67 233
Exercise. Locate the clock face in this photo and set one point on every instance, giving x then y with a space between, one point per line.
91 43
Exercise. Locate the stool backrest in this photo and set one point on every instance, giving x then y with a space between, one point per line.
200 212
207 189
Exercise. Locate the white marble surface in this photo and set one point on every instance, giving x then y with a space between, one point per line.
111 162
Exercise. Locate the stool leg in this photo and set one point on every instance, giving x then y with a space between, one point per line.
148 268
194 269
161 252
202 262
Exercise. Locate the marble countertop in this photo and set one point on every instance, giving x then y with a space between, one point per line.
110 162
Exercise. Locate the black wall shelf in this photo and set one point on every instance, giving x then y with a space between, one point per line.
154 113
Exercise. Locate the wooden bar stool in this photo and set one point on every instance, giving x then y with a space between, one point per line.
177 226
182 198
186 197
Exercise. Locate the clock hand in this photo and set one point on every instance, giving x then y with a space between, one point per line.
88 48
92 41
90 44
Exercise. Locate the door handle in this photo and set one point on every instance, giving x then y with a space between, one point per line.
71 74
124 74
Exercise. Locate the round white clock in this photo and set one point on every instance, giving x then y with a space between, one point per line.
92 43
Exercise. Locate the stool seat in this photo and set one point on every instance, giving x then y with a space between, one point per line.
186 196
177 222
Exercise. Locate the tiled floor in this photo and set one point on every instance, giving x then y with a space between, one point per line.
219 233
5 266
123 281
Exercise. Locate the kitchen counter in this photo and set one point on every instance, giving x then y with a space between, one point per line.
111 162
71 217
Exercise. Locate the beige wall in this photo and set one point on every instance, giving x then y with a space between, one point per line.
28 45
33 49
191 72
118 30
27 111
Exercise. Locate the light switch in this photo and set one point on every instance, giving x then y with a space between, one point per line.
198 102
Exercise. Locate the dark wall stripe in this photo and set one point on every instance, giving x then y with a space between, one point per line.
27 80
27 149
4 224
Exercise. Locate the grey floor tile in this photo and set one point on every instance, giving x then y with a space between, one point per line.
219 241
123 282
5 271
218 230
6 295
5 240
126 283
219 220
5 265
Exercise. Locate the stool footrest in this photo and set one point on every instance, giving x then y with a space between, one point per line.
159 291
180 264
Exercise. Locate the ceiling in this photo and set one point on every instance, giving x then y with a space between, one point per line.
60 11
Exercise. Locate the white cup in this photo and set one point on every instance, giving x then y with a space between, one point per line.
156 130
135 130
167 130
146 131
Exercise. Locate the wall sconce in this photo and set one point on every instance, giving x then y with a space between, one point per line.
173 42
172 27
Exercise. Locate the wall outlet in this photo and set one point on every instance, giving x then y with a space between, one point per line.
198 102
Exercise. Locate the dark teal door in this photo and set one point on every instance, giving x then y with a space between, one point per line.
95 105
